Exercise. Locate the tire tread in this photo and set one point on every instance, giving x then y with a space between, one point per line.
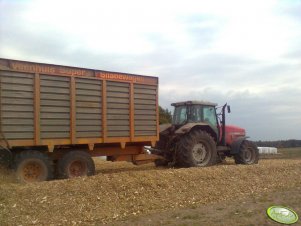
239 156
185 144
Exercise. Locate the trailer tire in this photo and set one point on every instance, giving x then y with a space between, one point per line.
75 164
196 148
33 166
248 153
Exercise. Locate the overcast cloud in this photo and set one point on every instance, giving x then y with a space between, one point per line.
246 53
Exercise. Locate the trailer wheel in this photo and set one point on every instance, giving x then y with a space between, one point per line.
196 148
75 164
33 166
248 153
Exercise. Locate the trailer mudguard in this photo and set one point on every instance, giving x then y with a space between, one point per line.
235 146
199 125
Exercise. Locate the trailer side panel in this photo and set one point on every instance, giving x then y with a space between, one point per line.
51 105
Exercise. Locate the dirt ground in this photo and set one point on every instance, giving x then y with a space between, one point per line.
124 194
249 211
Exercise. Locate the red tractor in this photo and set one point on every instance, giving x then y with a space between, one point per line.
198 136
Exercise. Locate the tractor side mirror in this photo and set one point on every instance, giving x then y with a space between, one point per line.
228 108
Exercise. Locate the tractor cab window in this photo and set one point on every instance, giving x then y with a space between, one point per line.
180 115
195 113
209 115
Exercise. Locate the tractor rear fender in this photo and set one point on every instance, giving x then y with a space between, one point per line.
235 146
164 127
196 126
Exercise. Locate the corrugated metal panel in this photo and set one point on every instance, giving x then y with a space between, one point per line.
54 106
117 117
145 102
16 105
88 108
89 122
117 122
145 110
82 116
118 109
88 134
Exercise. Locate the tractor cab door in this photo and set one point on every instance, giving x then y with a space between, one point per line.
209 117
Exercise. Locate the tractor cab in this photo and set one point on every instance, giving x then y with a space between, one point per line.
196 112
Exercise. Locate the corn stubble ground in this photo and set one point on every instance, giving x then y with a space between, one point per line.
124 194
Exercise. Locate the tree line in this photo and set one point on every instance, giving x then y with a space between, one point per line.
279 143
164 116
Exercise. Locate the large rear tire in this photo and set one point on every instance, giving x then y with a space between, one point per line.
196 148
248 153
75 164
161 163
33 166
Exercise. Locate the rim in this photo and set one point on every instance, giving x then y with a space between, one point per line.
32 171
200 153
77 169
248 155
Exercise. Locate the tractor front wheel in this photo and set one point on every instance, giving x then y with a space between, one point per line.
196 148
248 153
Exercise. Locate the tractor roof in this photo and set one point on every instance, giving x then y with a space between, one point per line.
206 103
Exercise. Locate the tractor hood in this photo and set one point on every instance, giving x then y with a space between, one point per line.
233 132
164 127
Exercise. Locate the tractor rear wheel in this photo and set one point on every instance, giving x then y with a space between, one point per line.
33 166
75 164
196 148
161 162
248 153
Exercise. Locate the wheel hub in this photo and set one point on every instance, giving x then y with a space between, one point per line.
32 171
77 169
247 155
199 152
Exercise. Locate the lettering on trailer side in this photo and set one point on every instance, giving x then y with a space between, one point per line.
116 76
125 77
61 70
46 69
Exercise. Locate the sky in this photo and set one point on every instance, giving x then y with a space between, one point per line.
245 53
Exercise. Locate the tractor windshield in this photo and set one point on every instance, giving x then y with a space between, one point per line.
195 113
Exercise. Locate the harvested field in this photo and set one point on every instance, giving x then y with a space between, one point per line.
121 191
